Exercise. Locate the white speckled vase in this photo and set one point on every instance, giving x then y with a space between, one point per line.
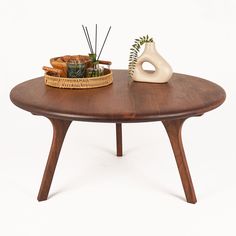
163 70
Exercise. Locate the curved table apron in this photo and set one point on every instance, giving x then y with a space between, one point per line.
123 101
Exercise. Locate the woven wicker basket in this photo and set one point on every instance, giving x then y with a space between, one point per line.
79 83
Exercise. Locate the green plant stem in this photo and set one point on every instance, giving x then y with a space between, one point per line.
134 50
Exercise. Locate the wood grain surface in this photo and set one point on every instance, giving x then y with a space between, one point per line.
122 101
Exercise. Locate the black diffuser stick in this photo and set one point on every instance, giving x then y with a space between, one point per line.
87 39
104 43
96 30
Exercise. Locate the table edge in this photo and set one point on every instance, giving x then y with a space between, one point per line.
132 118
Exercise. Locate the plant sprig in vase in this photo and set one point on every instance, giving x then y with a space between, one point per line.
134 50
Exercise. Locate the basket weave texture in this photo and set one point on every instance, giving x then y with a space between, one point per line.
79 83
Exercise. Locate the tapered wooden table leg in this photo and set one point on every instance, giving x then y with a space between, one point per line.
173 128
60 128
119 139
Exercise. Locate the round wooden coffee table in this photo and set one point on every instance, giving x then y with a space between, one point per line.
123 101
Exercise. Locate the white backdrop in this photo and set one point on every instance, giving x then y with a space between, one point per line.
93 192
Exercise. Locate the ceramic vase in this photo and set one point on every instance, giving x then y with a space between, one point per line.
163 70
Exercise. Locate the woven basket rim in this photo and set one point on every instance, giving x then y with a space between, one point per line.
79 83
90 78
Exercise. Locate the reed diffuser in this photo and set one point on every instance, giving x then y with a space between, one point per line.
95 70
